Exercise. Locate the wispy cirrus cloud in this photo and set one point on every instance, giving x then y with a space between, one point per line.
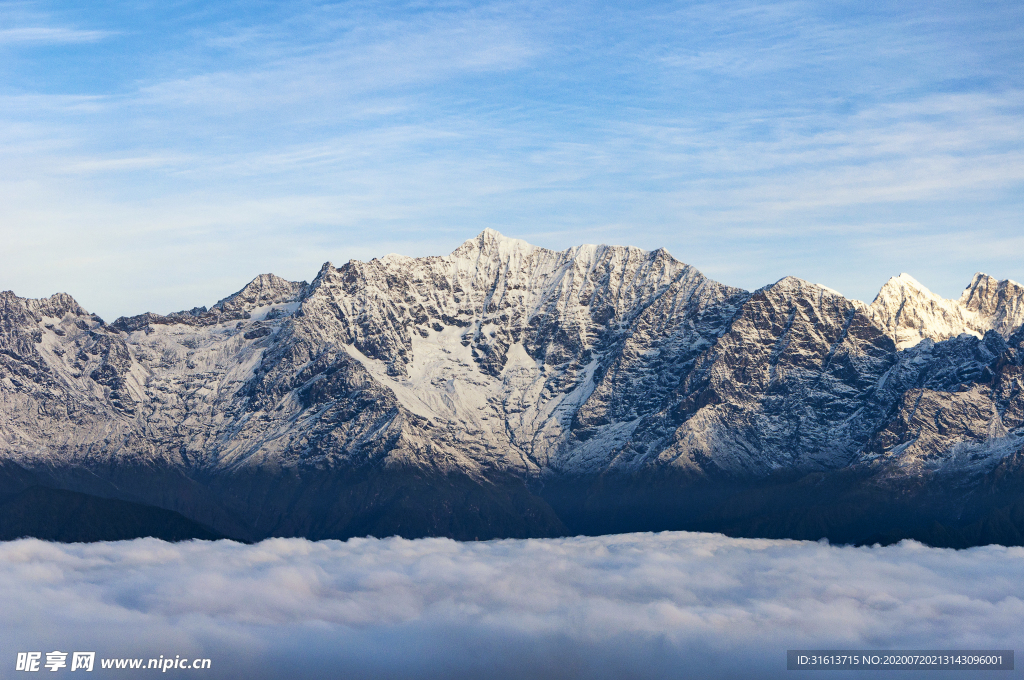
752 140
49 35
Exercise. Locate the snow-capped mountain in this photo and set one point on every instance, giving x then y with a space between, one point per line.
908 312
510 390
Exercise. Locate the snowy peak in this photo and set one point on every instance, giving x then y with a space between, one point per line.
908 312
56 306
903 290
791 285
1000 303
265 289
903 286
906 280
493 245
496 291
509 343
491 249
288 406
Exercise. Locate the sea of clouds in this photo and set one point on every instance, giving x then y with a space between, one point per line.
669 605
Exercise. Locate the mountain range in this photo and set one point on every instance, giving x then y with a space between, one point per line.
507 390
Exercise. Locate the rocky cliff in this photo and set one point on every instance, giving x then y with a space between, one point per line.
510 390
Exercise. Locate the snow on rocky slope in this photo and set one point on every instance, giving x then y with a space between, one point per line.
510 348
908 312
490 371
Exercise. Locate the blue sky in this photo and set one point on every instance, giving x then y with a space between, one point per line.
158 155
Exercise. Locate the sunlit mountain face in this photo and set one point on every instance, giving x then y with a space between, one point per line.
506 390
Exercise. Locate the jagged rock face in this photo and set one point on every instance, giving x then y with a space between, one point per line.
928 422
530 359
497 369
66 381
265 292
1000 303
964 413
909 313
790 385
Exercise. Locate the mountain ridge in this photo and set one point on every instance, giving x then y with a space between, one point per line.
500 372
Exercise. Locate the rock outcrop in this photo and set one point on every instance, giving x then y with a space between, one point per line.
510 390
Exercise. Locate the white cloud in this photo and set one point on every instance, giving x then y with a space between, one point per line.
50 35
637 605
337 72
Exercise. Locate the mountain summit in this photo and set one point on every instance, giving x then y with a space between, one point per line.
511 390
909 312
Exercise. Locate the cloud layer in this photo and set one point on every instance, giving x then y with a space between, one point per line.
671 605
